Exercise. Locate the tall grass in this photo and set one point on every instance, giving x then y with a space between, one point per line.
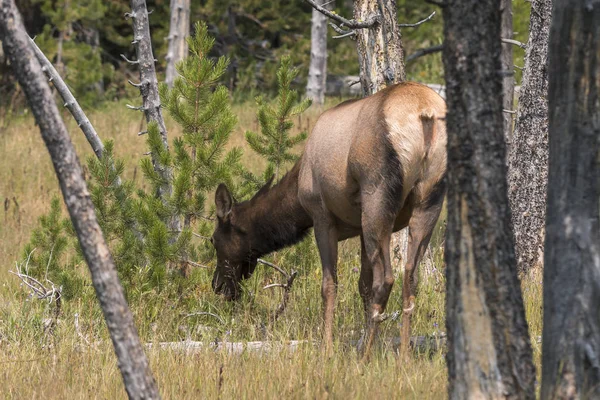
75 360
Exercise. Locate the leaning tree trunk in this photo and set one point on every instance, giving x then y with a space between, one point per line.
489 354
528 154
179 30
133 364
571 336
380 52
508 83
317 71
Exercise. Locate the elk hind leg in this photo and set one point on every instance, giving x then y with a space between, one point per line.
420 228
326 237
377 226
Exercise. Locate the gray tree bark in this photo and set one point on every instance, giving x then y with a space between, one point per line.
508 83
150 98
317 71
489 353
137 377
571 336
179 30
528 153
380 52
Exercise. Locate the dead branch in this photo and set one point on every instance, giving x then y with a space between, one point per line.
36 288
416 23
347 34
350 23
193 264
440 47
70 102
515 42
221 320
200 236
287 287
424 52
78 330
275 267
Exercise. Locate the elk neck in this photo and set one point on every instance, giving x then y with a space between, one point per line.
274 216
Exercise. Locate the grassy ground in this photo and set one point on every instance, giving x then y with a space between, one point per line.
76 359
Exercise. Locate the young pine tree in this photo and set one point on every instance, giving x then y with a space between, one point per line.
275 142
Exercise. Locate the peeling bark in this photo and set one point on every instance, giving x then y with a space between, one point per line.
380 51
571 336
179 30
133 364
317 71
528 155
489 353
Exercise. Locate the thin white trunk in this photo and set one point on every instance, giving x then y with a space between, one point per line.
179 30
317 72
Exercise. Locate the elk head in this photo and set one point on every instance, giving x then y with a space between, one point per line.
232 241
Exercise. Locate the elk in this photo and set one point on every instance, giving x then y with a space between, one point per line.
370 167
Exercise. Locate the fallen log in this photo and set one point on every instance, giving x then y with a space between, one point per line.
420 344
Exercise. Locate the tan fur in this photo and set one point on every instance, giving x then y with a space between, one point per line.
346 180
370 167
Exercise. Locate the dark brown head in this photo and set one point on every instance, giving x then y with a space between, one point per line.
231 240
271 220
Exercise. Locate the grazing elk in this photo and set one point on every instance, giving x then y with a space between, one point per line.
370 167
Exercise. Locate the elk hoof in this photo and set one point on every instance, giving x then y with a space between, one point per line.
379 317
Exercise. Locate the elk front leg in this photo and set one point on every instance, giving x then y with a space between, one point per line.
326 237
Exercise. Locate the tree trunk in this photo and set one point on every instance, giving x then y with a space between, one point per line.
179 30
317 71
150 99
571 337
133 364
489 354
508 83
528 154
380 52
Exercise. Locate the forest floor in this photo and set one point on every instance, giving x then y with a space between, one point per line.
74 359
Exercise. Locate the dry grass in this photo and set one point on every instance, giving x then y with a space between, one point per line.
34 364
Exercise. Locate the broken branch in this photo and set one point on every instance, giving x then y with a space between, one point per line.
350 23
424 52
287 287
515 42
63 90
417 23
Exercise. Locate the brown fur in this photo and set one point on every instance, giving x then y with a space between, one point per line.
370 167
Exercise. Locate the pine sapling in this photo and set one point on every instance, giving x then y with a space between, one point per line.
275 142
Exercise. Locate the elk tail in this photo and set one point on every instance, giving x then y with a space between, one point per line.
428 118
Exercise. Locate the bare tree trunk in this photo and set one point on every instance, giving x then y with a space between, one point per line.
380 52
508 83
317 71
149 90
179 30
489 353
133 364
571 336
528 154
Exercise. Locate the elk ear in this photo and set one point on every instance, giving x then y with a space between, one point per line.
266 187
223 201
